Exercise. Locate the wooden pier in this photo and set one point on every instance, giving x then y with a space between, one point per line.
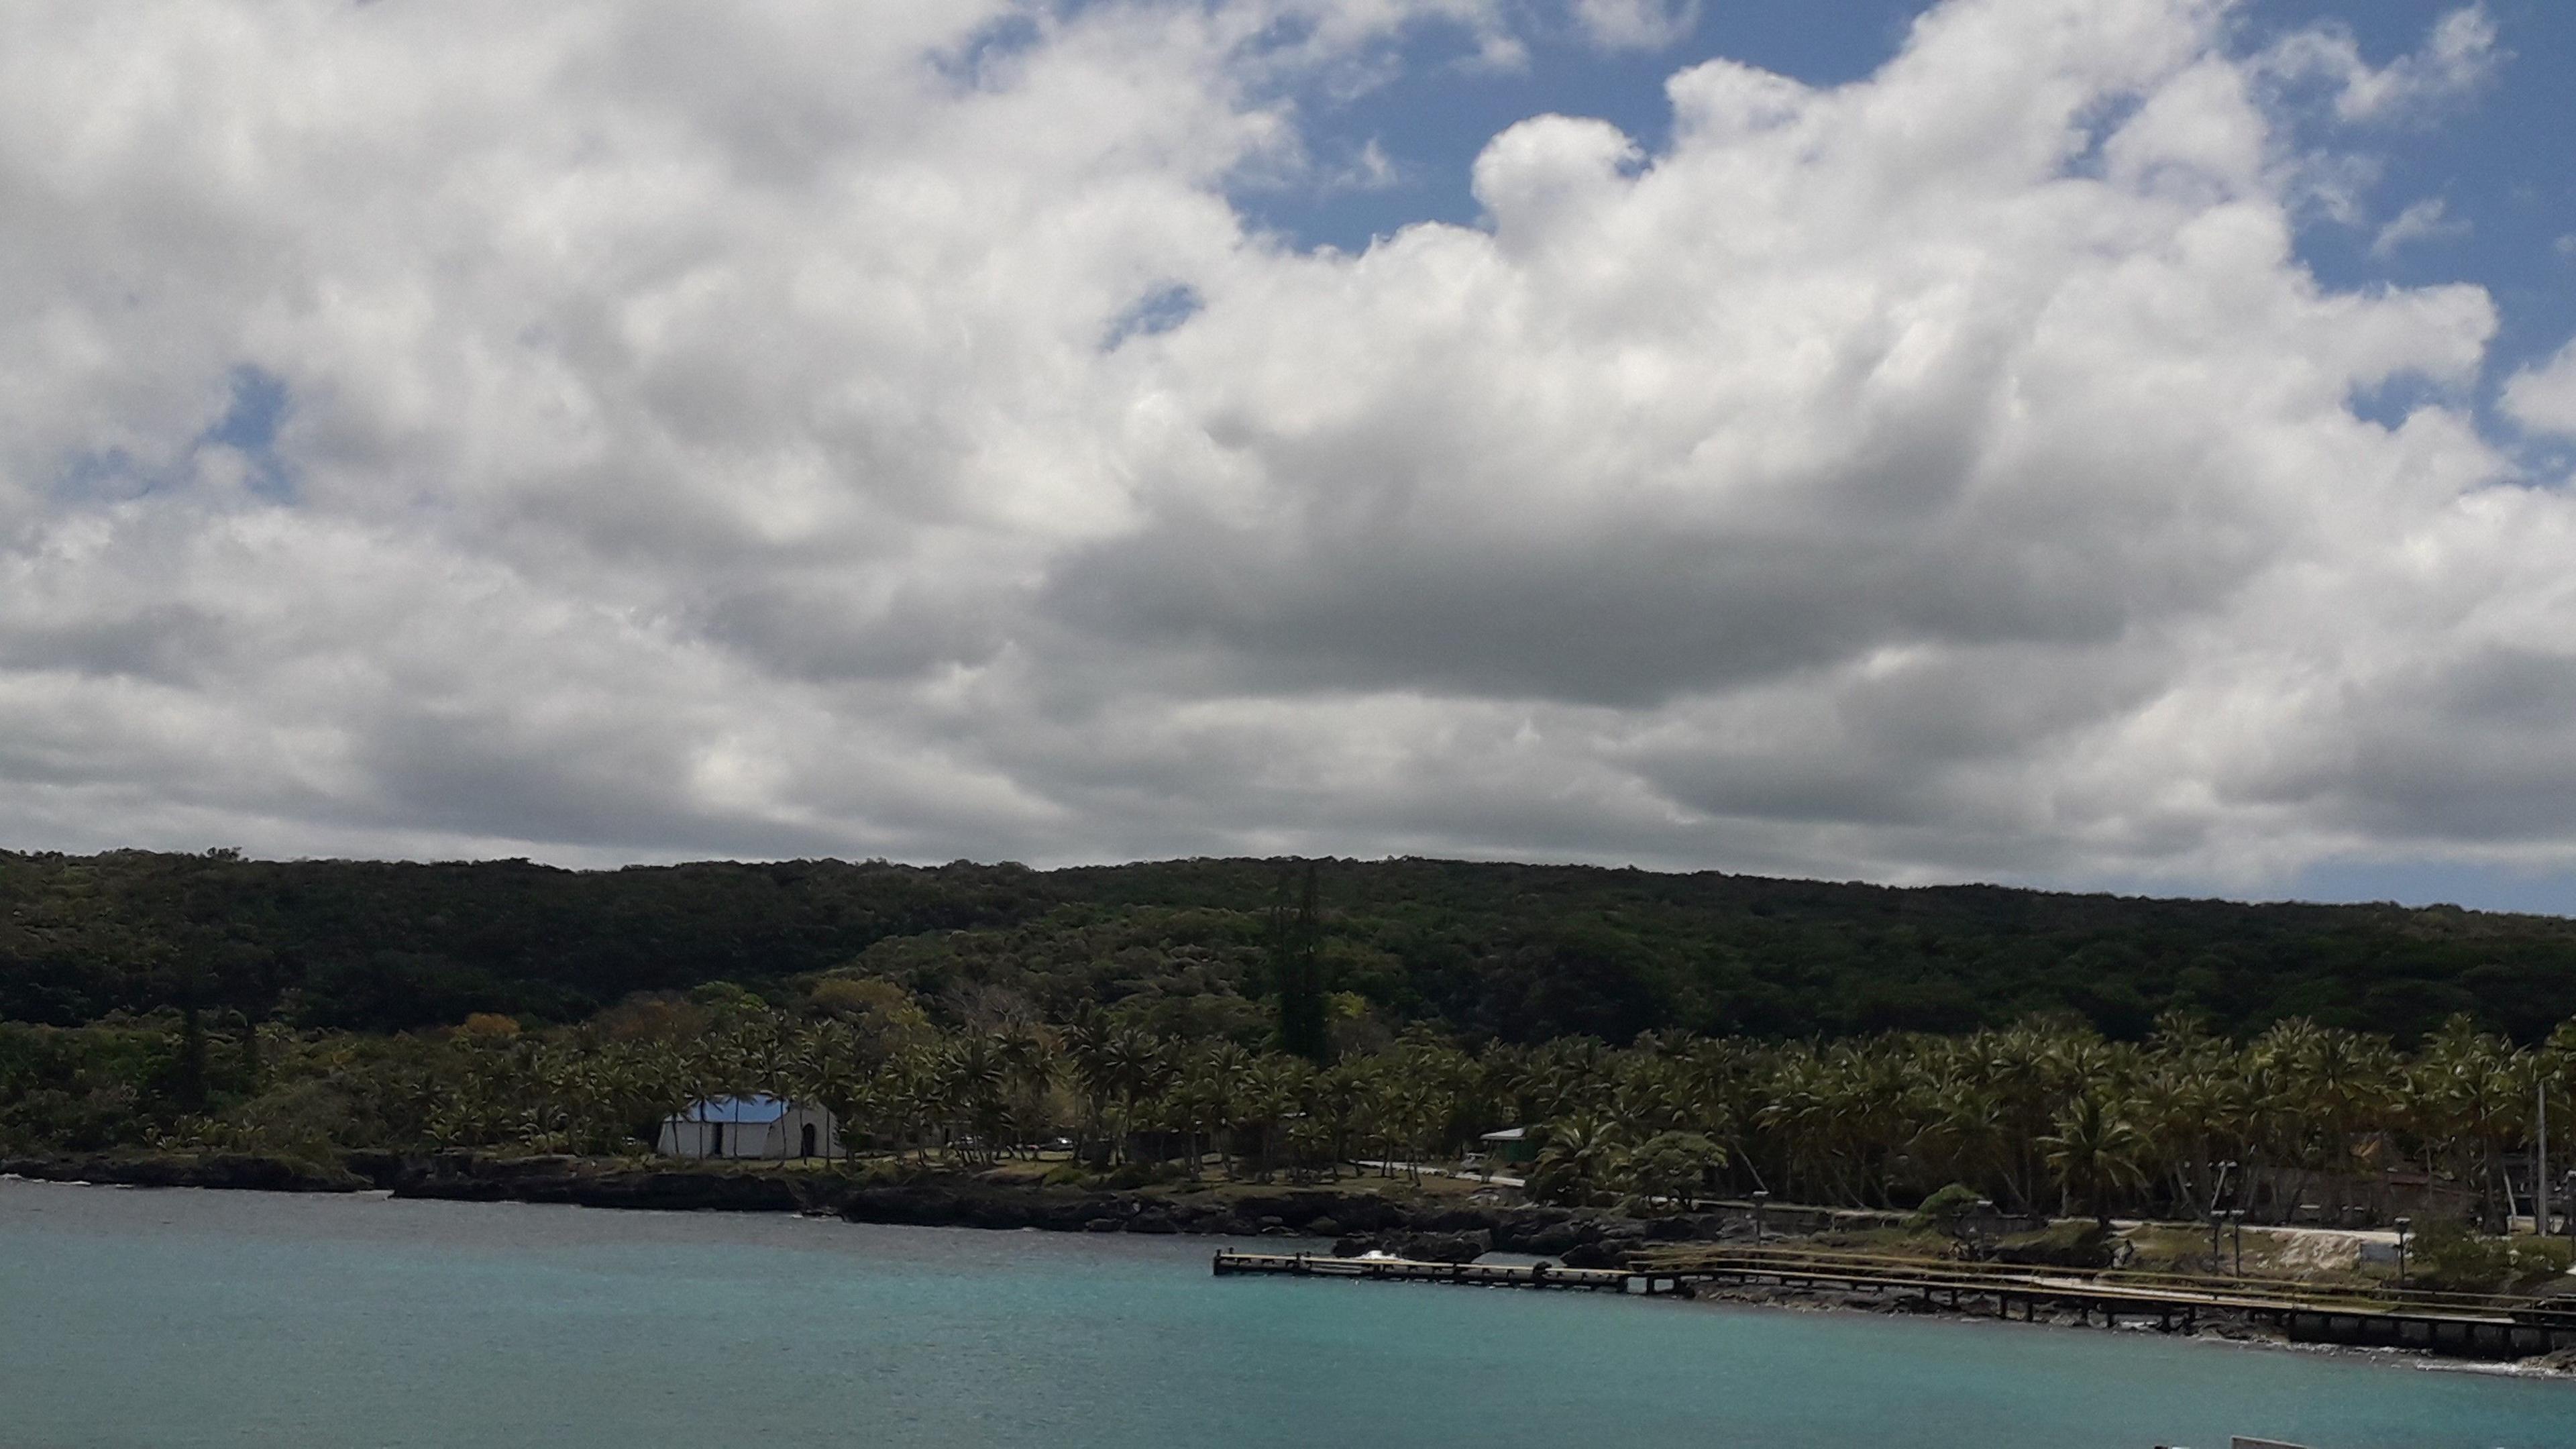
1464 1275
2455 1325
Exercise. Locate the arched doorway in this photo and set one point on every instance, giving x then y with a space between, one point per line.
805 1147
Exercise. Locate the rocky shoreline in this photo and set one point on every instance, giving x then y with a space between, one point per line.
212 1170
1355 1219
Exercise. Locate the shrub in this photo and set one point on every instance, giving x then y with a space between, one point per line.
1945 1208
1141 1174
1669 1168
2451 1257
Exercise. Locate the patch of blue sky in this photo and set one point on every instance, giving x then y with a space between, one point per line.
1441 102
255 409
2406 880
249 427
993 45
108 473
2494 158
2394 400
2436 883
1160 310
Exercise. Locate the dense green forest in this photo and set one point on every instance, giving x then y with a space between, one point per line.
1837 1043
1485 952
2040 1116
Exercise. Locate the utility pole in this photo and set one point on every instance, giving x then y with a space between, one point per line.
2217 1190
2540 1159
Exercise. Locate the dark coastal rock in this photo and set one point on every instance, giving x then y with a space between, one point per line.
1441 1247
973 1205
1303 1207
1598 1254
1605 1242
210 1170
380 1169
687 1191
1683 1229
1546 1239
567 1180
545 1167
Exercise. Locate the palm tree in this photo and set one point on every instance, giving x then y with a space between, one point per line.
2466 1095
1577 1160
1280 1103
2095 1152
1216 1083
1029 1072
972 1083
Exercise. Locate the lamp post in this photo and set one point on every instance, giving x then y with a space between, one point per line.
2236 1230
1760 1197
2402 1225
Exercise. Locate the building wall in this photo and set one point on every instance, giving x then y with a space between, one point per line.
752 1140
827 1135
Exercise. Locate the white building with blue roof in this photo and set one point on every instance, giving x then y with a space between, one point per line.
758 1126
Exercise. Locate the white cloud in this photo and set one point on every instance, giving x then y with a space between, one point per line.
2543 398
788 431
2457 56
2426 220
1635 24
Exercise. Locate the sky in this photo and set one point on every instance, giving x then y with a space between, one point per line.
2096 444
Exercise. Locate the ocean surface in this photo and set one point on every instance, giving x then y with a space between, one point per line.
132 1318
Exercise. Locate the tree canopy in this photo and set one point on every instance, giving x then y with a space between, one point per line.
1486 952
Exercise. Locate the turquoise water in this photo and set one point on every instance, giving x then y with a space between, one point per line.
165 1319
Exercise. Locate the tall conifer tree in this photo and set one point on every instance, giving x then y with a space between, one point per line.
1300 975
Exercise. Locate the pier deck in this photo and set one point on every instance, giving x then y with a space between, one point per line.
2458 1325
1470 1275
2434 1323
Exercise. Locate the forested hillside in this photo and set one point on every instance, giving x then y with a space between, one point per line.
1509 952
